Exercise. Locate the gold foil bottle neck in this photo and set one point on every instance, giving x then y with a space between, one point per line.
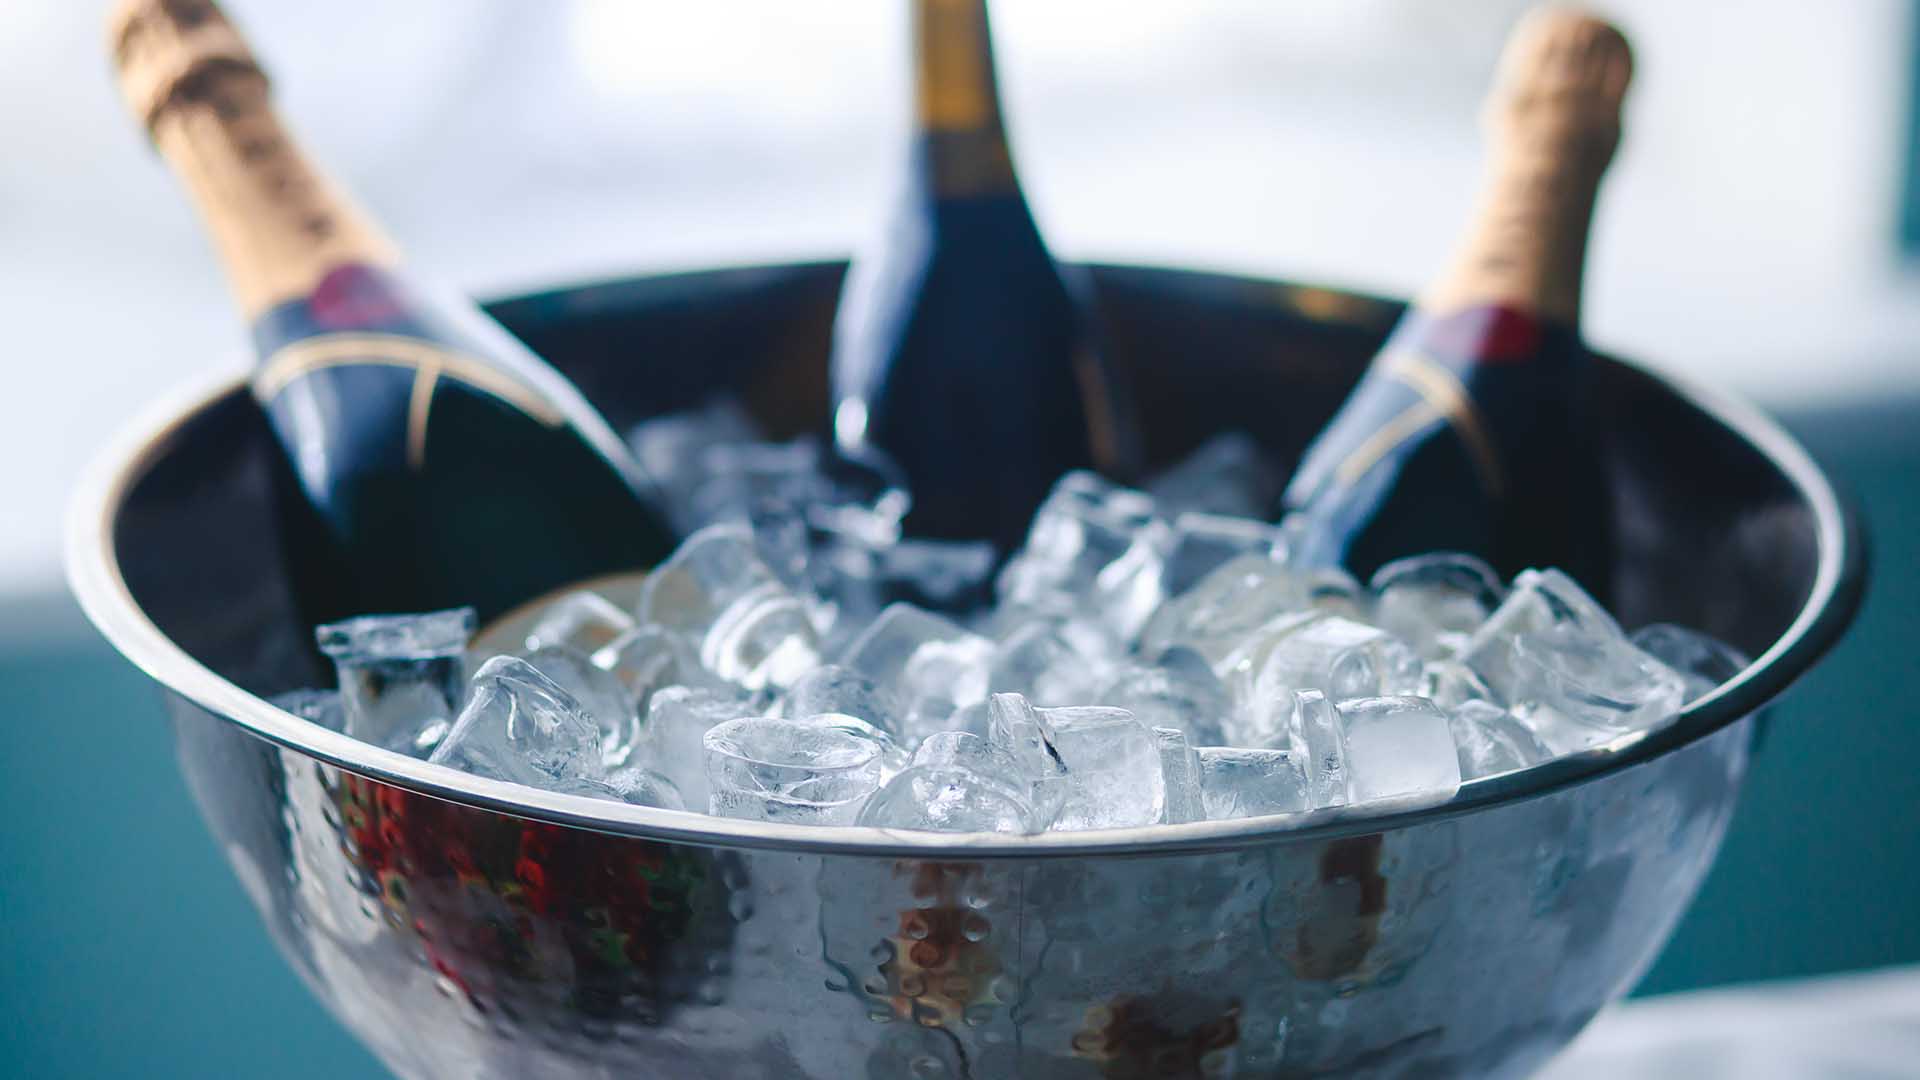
279 224
956 99
167 51
1553 120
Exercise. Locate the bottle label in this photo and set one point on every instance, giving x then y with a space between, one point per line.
429 363
1440 396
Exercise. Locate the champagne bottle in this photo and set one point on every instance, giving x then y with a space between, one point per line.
436 461
961 350
1467 432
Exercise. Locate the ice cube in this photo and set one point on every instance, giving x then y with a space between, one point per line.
1340 657
767 769
1180 767
1046 660
678 718
321 707
1337 656
1562 665
1704 661
584 621
980 755
1237 782
644 787
1105 761
1128 590
770 488
947 798
893 756
399 674
1435 602
832 688
1085 523
520 725
1314 735
1333 590
1215 616
600 695
751 628
1398 748
1228 474
1451 683
1490 740
945 575
647 658
930 664
1202 543
1179 690
672 449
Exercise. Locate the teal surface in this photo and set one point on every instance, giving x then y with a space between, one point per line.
128 949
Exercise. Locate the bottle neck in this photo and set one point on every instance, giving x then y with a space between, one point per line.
961 139
1553 120
278 223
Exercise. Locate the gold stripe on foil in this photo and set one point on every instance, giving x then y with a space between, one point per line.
429 361
1384 439
1441 389
418 406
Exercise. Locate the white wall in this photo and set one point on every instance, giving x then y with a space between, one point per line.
1745 236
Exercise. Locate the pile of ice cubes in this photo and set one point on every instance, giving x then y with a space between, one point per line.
1147 656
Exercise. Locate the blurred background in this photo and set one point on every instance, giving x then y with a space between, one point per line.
1760 232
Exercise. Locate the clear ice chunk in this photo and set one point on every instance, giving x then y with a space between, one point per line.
678 719
1561 664
1202 543
1398 748
768 487
1341 658
1704 661
1450 684
1106 762
1334 655
1490 740
832 688
1435 602
767 769
948 798
520 725
644 787
648 658
980 755
1333 590
750 627
1238 782
600 695
399 674
930 664
1048 662
944 575
1180 766
1179 691
1085 523
584 621
672 449
321 707
1217 615
1228 474
1319 746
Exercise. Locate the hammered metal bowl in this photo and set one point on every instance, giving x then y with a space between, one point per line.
464 927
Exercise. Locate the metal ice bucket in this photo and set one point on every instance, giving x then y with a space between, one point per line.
464 927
